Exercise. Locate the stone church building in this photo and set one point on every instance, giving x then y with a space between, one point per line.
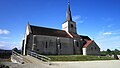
50 41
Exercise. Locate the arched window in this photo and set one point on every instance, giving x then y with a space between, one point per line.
91 48
95 48
46 45
71 25
77 44
60 45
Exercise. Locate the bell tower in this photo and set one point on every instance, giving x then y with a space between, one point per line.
69 25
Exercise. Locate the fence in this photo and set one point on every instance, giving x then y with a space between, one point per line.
38 56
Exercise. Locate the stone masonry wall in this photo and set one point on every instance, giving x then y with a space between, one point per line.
52 45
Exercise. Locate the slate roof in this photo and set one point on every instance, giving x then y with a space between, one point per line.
88 43
75 35
68 13
85 37
48 31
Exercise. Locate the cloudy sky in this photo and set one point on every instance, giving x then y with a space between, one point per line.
98 19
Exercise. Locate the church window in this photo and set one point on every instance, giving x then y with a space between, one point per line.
91 48
37 49
77 44
46 45
71 25
60 45
95 48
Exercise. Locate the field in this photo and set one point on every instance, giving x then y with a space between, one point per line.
78 58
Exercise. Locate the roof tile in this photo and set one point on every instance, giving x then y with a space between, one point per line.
88 43
48 31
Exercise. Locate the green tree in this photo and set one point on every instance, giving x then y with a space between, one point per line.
115 56
116 51
103 53
109 52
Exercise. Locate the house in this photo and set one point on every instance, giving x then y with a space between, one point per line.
50 41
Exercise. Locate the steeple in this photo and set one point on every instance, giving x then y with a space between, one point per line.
69 25
68 13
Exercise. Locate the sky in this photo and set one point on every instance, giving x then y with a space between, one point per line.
98 19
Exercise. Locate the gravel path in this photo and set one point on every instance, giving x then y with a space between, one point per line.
77 64
90 64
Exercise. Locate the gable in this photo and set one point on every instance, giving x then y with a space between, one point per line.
90 43
95 45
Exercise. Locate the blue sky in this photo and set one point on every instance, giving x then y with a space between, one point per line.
99 19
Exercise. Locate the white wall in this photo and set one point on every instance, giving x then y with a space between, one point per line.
84 51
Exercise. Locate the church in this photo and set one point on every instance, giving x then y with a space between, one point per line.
50 41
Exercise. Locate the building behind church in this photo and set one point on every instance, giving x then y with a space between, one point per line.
49 41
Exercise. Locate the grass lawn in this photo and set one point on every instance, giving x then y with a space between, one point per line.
78 58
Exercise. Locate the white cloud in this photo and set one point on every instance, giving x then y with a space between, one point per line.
79 19
108 39
2 43
109 42
4 31
107 33
76 18
9 45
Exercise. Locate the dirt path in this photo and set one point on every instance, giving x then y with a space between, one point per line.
77 64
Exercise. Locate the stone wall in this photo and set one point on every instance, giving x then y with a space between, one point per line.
52 45
93 49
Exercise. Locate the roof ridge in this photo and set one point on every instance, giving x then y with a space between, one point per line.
37 30
88 43
46 27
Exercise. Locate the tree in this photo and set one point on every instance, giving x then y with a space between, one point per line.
115 56
109 52
103 53
116 51
15 49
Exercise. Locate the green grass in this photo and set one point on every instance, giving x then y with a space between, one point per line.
78 58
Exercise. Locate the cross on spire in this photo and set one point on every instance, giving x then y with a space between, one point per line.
68 13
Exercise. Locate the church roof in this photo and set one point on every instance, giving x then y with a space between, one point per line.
68 13
48 31
75 35
85 37
88 43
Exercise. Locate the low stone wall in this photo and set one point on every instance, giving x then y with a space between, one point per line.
16 59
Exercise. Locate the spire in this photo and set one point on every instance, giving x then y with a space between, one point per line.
68 13
28 23
28 27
